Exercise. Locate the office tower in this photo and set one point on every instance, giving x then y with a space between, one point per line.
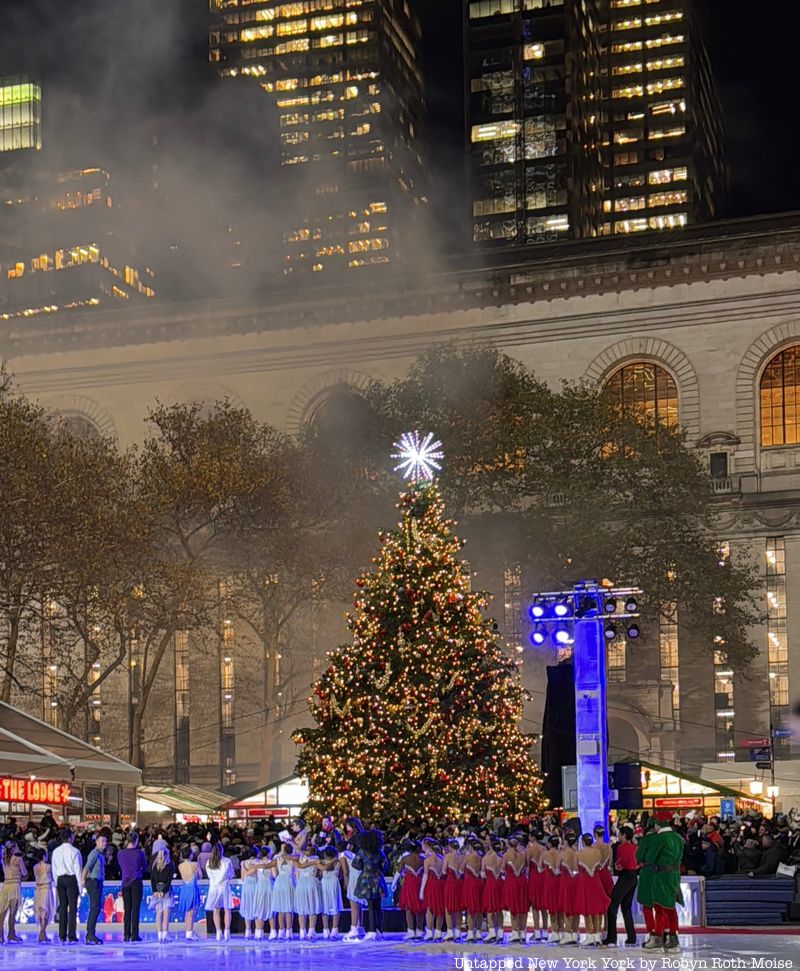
61 248
589 117
533 119
664 137
20 114
345 79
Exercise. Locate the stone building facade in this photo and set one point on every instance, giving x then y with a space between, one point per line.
713 314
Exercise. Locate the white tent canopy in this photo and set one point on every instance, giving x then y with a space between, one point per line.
29 746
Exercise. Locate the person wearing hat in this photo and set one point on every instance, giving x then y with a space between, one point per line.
645 857
666 887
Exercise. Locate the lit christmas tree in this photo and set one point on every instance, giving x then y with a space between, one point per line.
421 712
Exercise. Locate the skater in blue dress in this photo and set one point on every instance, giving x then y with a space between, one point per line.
283 893
189 899
307 895
248 903
264 895
331 869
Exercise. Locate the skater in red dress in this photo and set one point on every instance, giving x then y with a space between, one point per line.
593 901
410 869
453 870
567 889
551 860
472 901
432 889
606 867
491 870
515 891
536 890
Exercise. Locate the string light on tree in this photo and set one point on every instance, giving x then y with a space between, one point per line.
420 458
420 712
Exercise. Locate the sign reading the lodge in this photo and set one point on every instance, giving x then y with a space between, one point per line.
34 790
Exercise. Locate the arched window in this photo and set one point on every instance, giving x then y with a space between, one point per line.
644 390
780 398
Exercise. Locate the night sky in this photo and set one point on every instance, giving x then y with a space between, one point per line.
120 65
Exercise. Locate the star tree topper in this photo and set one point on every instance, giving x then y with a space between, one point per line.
419 458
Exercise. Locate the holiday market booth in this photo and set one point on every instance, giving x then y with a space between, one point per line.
666 792
44 768
162 804
282 800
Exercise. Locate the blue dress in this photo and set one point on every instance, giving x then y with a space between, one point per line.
352 879
189 897
283 889
331 893
263 904
307 895
248 908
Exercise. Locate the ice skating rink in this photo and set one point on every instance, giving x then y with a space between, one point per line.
699 952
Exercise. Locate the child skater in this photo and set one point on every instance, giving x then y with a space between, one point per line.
453 872
515 889
410 869
551 897
330 868
491 871
473 889
283 892
431 890
592 900
536 891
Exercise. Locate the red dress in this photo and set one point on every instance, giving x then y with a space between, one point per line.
434 894
453 892
590 898
606 879
536 887
515 892
472 900
567 893
552 888
492 899
409 892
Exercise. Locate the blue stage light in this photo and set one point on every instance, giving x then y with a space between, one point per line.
537 611
610 631
610 606
561 609
539 635
562 635
631 606
633 631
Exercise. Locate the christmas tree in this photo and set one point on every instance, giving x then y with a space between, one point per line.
420 712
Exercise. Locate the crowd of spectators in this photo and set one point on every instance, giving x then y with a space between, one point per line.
713 847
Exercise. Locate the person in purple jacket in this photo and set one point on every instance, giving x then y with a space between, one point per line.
132 863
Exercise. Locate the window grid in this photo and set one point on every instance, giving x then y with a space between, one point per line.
668 647
777 641
645 391
779 397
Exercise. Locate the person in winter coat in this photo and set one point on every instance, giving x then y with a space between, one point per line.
772 855
749 856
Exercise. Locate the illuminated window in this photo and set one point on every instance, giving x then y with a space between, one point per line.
780 399
664 41
626 137
668 648
667 107
665 62
495 130
643 390
627 68
533 52
627 24
615 652
630 226
663 176
672 220
777 638
668 198
512 604
634 91
658 133
665 84
630 204
627 48
667 17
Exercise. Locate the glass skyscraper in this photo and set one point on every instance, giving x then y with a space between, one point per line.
345 79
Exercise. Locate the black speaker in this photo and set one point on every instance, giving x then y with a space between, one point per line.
558 730
626 778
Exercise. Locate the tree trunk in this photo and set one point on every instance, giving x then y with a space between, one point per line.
137 743
11 658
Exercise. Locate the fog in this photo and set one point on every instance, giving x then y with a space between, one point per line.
199 192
